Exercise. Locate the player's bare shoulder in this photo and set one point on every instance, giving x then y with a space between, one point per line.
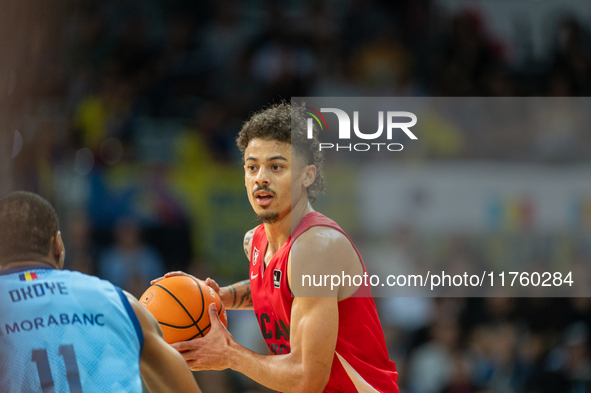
327 246
324 251
248 242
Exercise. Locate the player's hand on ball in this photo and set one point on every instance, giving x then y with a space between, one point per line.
171 274
209 352
223 293
209 281
214 285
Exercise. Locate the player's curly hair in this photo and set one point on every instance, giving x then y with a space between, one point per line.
286 123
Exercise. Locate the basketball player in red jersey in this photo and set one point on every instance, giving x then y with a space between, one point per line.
331 342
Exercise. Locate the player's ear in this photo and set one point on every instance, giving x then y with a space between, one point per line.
309 175
58 250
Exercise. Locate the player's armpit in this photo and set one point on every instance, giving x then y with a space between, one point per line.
163 369
320 261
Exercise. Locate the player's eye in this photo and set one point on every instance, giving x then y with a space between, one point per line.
276 167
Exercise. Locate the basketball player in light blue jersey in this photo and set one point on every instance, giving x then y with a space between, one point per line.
62 331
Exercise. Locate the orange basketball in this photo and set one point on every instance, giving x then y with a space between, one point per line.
180 305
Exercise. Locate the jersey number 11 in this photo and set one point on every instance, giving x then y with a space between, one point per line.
45 377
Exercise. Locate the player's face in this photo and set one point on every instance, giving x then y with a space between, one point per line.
268 171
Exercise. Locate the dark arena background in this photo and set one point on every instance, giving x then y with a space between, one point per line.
123 113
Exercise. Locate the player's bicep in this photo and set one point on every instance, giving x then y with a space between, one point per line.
314 331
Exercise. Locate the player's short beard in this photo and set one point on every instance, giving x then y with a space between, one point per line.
268 217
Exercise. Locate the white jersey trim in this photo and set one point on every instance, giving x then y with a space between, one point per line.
360 384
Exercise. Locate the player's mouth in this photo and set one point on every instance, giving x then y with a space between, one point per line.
263 198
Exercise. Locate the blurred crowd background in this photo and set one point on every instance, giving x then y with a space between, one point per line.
124 112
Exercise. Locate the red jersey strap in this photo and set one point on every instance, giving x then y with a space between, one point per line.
314 219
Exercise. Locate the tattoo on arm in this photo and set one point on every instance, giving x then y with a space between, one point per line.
232 290
245 298
247 239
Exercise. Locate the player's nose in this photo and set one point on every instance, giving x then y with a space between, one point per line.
262 176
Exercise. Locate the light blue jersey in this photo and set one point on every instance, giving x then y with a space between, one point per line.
62 331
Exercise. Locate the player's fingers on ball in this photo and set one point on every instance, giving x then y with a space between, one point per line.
213 312
174 274
211 282
213 315
154 281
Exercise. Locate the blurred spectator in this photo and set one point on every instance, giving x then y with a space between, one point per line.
431 363
129 263
569 365
466 54
282 61
572 54
80 248
461 378
382 65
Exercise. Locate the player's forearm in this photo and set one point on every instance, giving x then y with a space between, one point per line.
283 373
237 296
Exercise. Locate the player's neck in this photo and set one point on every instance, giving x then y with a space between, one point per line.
21 264
279 231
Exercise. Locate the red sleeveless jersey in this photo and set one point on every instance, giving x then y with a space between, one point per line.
361 362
